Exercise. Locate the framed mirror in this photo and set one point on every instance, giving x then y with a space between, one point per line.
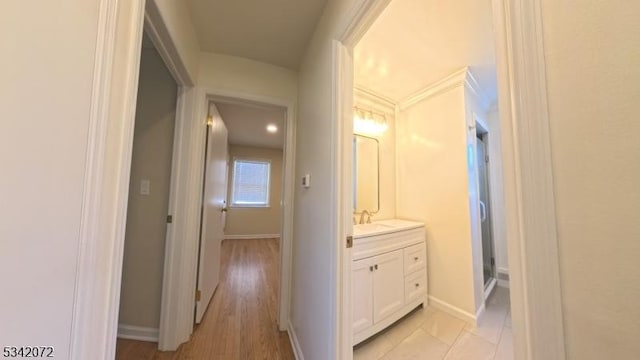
366 174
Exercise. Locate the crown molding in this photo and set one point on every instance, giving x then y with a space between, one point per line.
370 98
460 77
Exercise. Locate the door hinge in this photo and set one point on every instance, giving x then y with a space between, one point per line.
349 241
198 295
493 261
169 219
486 159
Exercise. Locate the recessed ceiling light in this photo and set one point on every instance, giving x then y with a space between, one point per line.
272 128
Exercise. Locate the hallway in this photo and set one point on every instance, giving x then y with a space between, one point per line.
240 322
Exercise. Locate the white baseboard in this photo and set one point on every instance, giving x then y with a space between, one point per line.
453 310
256 236
503 277
479 314
489 288
132 332
297 351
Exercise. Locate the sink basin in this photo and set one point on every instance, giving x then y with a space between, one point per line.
362 230
383 227
373 227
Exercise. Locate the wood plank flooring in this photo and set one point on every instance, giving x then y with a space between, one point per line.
240 322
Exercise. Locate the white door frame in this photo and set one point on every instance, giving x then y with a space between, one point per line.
529 199
106 185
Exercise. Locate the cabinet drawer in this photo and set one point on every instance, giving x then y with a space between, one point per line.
415 258
415 286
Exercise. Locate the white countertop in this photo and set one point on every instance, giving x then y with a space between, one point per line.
384 227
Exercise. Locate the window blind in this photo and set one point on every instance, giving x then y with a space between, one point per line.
250 183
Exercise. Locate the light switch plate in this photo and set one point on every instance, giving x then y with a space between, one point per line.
306 181
145 187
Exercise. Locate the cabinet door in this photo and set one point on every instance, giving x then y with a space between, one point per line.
362 294
388 284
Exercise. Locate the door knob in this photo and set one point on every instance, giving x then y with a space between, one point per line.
223 209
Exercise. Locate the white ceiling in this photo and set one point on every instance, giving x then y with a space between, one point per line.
247 123
273 31
415 43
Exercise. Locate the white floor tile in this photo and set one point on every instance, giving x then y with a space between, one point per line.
443 326
418 345
404 327
507 321
505 347
471 347
372 349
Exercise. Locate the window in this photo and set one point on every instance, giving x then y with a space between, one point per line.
250 183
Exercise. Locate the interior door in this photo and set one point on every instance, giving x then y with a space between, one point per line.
388 286
485 211
213 210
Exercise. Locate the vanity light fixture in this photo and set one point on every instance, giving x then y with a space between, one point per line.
272 128
368 122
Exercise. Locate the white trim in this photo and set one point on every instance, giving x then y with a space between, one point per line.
342 194
176 311
371 99
502 282
455 311
489 289
252 236
295 345
159 35
536 300
139 333
105 194
457 78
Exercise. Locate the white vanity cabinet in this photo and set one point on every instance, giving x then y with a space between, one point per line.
389 276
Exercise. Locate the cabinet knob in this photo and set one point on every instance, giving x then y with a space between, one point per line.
370 268
417 285
376 266
415 258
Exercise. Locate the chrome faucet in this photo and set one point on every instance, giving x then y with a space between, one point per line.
362 217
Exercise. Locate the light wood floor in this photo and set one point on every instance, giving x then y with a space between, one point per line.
241 320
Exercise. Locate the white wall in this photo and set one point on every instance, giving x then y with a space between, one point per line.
592 52
144 245
176 21
45 94
433 187
247 76
314 282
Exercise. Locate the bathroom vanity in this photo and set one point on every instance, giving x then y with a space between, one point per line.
389 274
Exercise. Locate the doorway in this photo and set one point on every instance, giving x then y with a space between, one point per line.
520 68
148 205
242 222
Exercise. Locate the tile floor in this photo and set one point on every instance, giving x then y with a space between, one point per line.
431 334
